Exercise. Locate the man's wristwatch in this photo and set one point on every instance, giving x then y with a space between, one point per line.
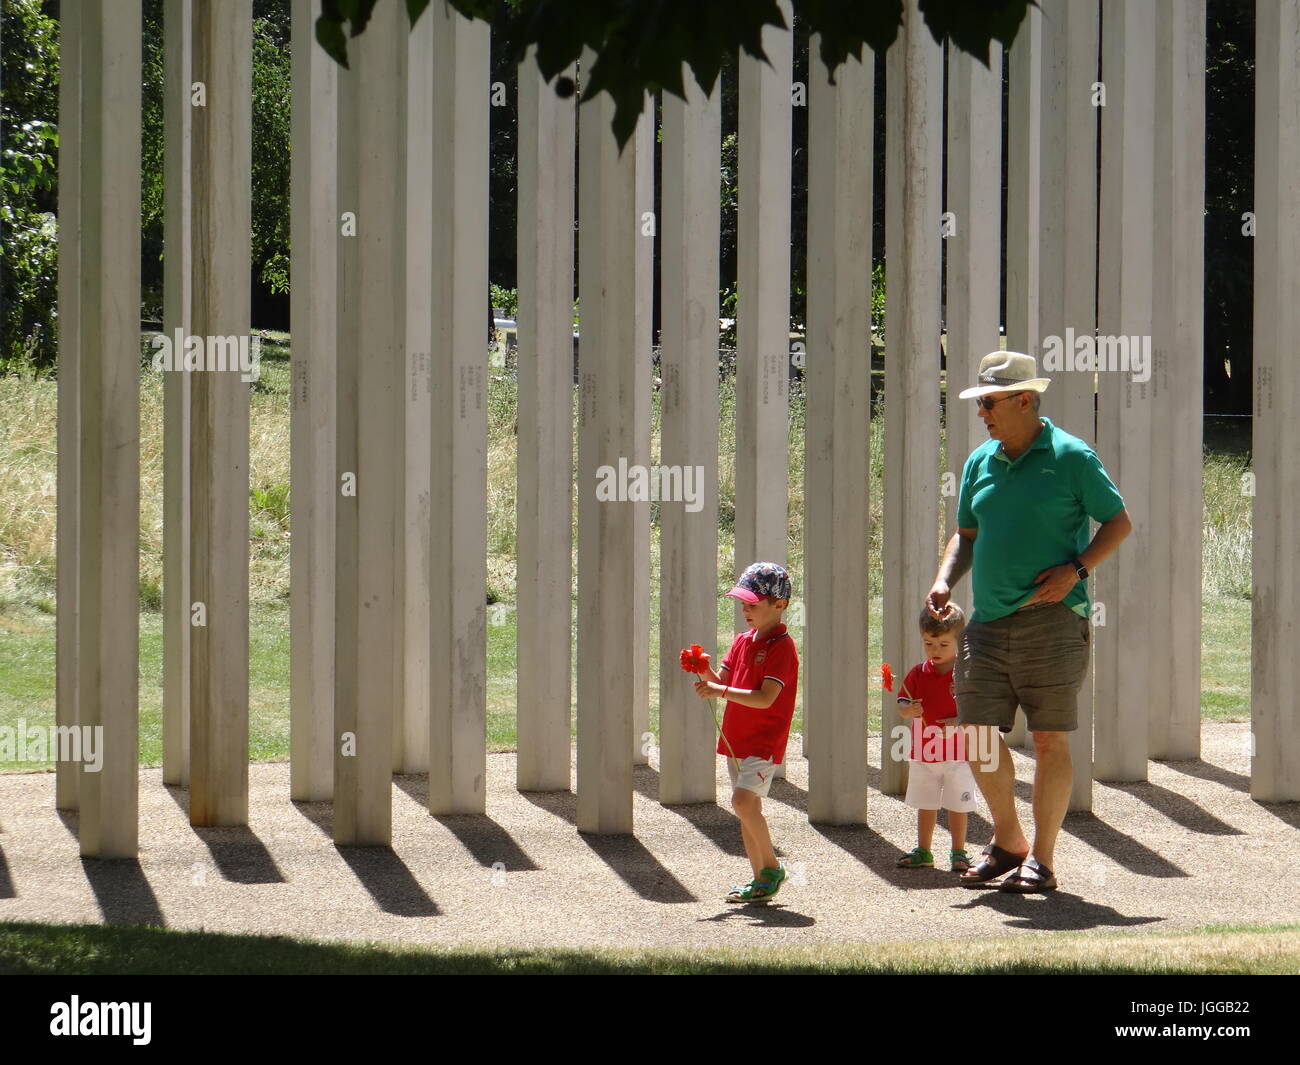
1080 570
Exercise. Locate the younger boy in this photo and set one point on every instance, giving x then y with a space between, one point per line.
938 773
758 677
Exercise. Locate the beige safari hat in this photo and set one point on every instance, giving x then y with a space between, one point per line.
1003 371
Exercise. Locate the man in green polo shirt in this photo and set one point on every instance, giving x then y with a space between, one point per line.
1022 526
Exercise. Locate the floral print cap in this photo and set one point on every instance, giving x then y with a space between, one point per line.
761 580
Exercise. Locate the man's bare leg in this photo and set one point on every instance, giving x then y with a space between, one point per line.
1053 781
996 778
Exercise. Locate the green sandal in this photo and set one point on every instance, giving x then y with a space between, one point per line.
958 861
920 858
761 889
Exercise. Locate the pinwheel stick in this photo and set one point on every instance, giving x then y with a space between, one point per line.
721 735
694 660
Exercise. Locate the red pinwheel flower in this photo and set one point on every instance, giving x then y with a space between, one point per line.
887 677
694 659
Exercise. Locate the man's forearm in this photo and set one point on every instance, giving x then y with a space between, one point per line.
1110 535
956 560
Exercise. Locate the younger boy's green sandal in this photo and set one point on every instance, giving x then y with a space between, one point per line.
958 861
920 858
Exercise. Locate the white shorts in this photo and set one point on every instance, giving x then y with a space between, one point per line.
755 774
941 785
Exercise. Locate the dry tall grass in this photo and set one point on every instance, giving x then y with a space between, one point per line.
28 462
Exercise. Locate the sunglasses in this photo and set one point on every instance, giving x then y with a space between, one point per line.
988 402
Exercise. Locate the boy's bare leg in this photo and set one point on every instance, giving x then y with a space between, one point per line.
925 820
957 826
753 827
751 848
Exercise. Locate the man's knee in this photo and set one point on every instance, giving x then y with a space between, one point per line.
1050 743
745 802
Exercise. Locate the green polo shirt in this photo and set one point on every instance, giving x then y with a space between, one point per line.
1031 514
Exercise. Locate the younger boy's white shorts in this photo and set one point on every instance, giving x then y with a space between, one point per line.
941 785
755 774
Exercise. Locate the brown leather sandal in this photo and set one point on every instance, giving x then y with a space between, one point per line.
993 864
1032 876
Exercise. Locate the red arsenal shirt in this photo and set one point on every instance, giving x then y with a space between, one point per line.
934 691
762 733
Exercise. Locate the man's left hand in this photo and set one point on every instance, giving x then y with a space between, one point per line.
1054 584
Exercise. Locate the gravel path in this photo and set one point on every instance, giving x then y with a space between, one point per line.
1186 849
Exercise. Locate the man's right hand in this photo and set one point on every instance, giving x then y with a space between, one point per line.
937 601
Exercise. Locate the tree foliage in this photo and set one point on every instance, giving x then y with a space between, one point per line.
272 80
29 262
643 46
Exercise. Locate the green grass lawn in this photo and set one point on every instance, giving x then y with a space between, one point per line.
28 456
27 677
122 950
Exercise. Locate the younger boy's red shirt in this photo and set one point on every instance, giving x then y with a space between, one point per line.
752 732
934 691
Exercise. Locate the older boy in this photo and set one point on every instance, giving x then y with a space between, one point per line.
758 677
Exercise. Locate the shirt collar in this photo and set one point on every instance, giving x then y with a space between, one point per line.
1042 440
778 631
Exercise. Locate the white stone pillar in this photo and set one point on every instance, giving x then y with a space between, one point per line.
108 593
688 607
544 503
763 310
1123 646
458 614
314 223
641 398
913 175
613 357
835 677
763 305
68 512
371 364
221 189
177 112
1275 712
1067 285
417 590
1024 136
1177 381
973 266
1067 278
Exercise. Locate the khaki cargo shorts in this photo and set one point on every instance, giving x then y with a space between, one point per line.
1035 658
